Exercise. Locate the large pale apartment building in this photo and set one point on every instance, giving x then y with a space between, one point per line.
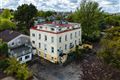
53 39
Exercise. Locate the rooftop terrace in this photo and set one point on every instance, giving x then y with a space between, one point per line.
56 27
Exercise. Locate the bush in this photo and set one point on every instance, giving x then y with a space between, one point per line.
3 64
3 49
21 71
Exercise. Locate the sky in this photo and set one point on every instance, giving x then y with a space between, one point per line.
111 6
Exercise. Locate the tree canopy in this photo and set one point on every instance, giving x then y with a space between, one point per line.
110 51
89 16
45 14
5 22
24 14
3 48
6 14
112 20
21 70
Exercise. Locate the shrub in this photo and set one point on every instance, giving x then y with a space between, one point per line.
20 70
3 64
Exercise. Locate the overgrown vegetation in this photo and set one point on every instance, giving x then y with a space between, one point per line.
3 64
21 71
110 51
94 68
89 16
5 22
3 49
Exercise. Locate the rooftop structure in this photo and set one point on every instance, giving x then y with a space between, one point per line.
56 27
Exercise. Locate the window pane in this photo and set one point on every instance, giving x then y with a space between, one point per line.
79 33
75 34
59 39
65 46
52 39
39 36
33 34
65 37
45 47
45 38
71 35
39 45
33 42
26 57
20 59
52 49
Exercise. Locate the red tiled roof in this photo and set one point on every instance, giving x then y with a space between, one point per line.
61 25
35 28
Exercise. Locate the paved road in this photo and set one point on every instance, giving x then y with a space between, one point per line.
48 71
8 78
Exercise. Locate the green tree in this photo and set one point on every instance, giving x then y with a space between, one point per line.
3 64
23 73
13 67
21 70
112 20
3 48
89 15
6 14
110 51
41 14
45 14
24 14
6 24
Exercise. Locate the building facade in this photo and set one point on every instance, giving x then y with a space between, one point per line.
54 39
18 44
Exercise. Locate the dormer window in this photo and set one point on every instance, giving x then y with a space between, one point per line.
52 29
40 27
59 29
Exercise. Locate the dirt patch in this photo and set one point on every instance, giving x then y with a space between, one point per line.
94 68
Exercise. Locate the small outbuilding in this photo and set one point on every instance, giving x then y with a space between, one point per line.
19 45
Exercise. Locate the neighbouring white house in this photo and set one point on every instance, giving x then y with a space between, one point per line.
19 45
54 40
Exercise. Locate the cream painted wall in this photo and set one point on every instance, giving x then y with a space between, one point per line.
56 43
